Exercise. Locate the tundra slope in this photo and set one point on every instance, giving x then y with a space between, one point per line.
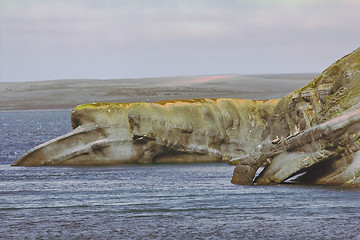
313 131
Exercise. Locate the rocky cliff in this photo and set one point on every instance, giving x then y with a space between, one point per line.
203 130
313 131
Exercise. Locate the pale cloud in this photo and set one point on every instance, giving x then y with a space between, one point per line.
115 39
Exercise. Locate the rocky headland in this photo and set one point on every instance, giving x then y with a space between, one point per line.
181 131
313 133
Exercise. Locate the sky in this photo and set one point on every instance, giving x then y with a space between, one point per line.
108 39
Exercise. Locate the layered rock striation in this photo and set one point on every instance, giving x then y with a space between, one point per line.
313 131
203 130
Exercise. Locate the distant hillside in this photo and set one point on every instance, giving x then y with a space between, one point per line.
67 94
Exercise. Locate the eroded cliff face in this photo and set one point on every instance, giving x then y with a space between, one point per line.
314 131
203 130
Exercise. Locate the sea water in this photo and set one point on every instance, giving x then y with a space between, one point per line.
172 201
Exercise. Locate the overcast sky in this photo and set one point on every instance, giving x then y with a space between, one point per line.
58 39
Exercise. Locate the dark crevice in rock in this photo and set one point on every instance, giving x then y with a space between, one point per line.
317 171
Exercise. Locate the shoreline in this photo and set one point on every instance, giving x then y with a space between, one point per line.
37 110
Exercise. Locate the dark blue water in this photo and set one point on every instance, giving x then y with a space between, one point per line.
180 201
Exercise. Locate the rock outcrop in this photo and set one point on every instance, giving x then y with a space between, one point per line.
203 130
314 131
